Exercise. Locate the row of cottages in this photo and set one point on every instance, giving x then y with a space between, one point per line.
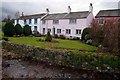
70 24
105 16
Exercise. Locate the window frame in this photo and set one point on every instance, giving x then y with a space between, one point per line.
25 21
30 21
48 30
58 31
101 18
56 21
35 21
72 21
78 31
43 21
68 31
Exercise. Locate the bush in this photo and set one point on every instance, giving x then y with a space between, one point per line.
36 34
88 32
27 30
8 29
5 38
18 29
48 37
62 37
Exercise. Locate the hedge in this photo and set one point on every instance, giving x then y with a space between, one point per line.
78 60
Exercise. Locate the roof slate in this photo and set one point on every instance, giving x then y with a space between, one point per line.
32 16
72 15
109 13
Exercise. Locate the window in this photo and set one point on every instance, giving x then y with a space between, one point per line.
55 21
17 21
49 30
72 21
68 31
35 21
78 31
25 21
29 21
35 28
43 30
43 21
58 30
101 20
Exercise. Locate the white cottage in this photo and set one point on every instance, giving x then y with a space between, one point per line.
70 24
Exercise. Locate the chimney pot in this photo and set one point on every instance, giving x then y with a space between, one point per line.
47 11
69 9
90 8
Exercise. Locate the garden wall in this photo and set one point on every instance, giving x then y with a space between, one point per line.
79 60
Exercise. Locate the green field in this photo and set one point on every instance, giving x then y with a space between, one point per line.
72 44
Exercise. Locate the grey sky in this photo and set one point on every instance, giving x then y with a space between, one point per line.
9 7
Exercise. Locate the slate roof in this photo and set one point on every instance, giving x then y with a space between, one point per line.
72 15
32 16
108 13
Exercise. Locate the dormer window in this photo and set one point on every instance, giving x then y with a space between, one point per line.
55 21
101 20
72 21
35 21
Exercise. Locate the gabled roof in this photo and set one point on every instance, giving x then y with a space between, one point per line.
72 15
32 16
108 13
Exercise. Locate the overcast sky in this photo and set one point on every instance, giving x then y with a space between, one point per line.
10 7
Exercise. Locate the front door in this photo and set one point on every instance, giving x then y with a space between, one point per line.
53 31
43 30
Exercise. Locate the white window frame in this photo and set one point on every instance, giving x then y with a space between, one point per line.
78 31
68 31
72 21
58 31
56 21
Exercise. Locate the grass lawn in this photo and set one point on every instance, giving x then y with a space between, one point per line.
72 44
1 34
2 24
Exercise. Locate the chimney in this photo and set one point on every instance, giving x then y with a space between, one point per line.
47 11
91 8
22 14
69 9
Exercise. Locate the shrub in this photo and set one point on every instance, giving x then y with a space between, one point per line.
36 34
5 38
8 29
88 32
18 29
27 30
62 37
48 37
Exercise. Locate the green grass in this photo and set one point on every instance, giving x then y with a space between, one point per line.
1 34
72 44
2 24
